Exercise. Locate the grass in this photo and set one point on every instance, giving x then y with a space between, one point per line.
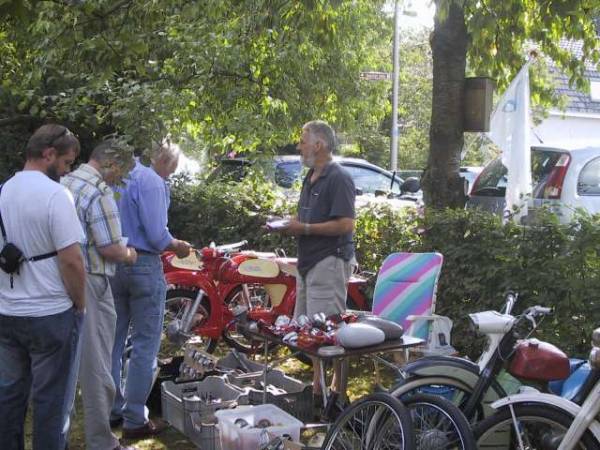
361 382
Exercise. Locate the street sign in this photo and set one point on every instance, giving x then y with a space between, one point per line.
375 76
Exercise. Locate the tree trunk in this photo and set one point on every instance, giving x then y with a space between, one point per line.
442 184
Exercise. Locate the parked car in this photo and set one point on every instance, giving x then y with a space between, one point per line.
369 179
469 174
563 179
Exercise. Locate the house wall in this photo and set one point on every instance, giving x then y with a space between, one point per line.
573 129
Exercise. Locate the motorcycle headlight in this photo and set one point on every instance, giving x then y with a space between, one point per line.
595 358
596 337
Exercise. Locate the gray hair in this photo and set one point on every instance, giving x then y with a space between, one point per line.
324 132
113 149
165 149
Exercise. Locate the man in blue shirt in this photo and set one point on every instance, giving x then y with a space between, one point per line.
139 290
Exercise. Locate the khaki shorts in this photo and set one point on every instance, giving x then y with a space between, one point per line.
324 288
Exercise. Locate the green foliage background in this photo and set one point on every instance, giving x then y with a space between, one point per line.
550 264
239 75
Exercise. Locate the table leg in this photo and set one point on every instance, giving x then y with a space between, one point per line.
266 344
323 382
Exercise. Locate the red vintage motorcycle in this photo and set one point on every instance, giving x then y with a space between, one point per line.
204 292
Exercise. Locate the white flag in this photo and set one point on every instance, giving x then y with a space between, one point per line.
509 130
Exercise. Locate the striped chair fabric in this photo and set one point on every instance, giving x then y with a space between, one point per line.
406 286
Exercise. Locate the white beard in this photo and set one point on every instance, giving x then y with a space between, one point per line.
309 161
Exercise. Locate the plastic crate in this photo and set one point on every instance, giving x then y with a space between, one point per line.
285 392
203 435
233 437
230 361
255 379
179 400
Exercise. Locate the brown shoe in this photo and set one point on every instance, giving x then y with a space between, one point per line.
148 430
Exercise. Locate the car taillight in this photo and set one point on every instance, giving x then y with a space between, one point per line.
554 185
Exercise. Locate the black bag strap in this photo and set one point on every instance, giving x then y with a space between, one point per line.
2 221
33 258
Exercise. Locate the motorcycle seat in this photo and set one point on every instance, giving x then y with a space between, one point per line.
255 254
288 265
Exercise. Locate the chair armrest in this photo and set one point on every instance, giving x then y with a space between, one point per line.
413 318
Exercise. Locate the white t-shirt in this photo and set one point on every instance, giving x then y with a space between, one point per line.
39 217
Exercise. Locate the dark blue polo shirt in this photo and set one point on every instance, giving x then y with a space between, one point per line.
330 197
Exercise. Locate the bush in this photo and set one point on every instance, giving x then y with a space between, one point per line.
227 212
551 264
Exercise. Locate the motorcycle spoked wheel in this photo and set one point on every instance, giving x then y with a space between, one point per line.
238 340
176 302
541 427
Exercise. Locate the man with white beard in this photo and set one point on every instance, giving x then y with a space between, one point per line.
324 227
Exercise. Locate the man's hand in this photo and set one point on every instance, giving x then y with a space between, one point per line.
181 248
295 227
118 253
130 256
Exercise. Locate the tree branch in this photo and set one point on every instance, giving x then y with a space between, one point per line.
16 120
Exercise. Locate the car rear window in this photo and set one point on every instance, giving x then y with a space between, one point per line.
287 172
589 178
492 181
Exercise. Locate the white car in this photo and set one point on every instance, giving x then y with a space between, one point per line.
563 179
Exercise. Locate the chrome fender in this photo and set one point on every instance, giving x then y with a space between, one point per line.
547 399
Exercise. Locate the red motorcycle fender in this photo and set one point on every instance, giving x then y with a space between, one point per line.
215 324
357 296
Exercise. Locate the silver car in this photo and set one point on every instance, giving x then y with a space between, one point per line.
563 179
287 170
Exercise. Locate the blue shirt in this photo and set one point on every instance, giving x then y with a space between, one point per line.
143 204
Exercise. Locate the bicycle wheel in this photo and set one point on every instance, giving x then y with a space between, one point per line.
540 427
439 425
376 422
456 392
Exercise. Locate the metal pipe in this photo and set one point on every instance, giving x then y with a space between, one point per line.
395 86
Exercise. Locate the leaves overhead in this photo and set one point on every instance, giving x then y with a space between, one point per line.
502 32
238 74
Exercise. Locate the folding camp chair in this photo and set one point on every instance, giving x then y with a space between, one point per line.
405 293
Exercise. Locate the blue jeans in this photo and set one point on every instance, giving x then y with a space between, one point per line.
139 291
37 355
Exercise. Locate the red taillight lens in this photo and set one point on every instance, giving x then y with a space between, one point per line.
475 185
554 185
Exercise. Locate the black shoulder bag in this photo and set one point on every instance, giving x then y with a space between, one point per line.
11 256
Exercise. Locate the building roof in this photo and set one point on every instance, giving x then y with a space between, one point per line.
577 101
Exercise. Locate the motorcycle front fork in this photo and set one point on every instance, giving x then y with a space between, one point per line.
187 320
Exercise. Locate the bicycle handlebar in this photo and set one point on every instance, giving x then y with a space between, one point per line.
511 299
226 248
538 311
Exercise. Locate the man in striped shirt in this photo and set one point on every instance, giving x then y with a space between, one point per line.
102 247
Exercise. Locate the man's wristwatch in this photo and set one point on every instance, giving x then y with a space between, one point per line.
306 228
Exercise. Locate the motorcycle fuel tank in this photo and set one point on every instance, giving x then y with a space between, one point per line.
539 361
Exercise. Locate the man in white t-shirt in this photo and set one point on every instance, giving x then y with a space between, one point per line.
42 304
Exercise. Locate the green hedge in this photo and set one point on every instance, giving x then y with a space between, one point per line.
549 264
